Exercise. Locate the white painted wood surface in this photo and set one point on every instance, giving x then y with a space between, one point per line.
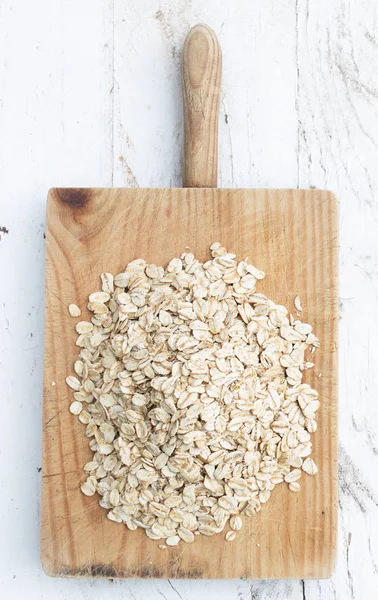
90 96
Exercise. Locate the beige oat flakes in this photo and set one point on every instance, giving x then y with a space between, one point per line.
295 486
309 466
74 310
297 303
189 383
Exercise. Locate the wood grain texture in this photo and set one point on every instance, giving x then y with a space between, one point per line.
71 114
201 81
292 235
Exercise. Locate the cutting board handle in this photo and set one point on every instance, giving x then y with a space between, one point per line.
201 83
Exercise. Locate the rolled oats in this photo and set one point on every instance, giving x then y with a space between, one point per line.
309 466
74 310
193 395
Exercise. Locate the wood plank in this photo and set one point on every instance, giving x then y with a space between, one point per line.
258 123
338 150
55 127
292 235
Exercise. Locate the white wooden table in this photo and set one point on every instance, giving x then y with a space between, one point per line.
90 96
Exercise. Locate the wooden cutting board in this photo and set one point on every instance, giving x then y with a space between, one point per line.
292 236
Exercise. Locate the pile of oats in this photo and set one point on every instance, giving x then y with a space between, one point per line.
189 383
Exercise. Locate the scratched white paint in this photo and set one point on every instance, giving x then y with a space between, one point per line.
90 95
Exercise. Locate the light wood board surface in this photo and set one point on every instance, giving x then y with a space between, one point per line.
292 235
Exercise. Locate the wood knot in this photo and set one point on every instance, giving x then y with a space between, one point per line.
74 197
